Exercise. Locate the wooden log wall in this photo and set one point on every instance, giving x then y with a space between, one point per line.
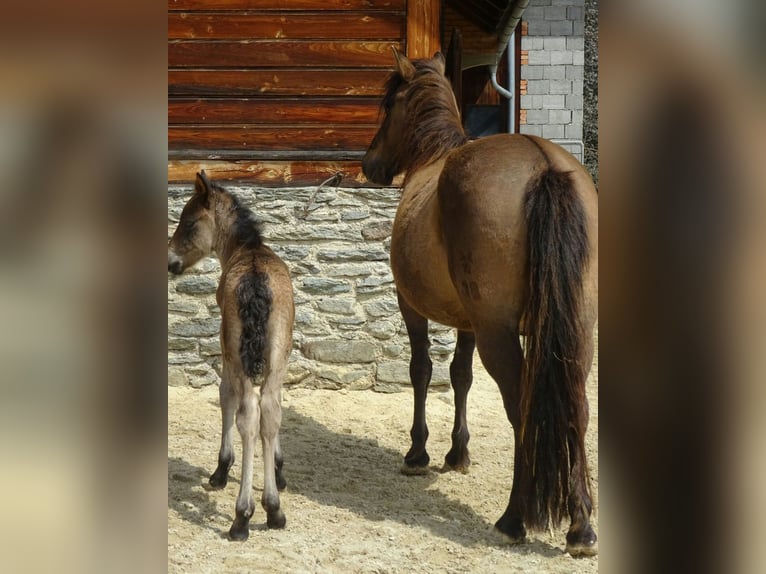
281 91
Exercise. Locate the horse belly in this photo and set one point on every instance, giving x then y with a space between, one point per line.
419 266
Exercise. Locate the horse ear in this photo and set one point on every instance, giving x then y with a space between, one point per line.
200 182
440 61
403 65
202 186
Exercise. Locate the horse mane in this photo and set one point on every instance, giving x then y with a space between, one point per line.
246 230
434 122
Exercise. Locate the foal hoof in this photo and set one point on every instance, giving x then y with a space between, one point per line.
276 519
220 477
218 480
240 530
281 482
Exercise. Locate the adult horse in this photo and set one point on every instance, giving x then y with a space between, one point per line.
496 237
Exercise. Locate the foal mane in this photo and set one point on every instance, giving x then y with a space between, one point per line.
245 231
433 121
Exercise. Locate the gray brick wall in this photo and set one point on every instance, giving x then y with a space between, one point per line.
554 70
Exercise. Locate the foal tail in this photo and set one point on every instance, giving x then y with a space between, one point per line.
254 300
553 407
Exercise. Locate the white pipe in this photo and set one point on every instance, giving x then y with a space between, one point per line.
493 78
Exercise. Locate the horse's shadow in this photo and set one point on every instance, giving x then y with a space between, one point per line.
190 503
343 470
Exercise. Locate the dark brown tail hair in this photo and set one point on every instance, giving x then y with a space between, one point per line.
254 300
553 407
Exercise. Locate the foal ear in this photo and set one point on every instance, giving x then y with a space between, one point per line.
440 61
202 186
403 65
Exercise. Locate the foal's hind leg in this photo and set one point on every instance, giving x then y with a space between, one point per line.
279 462
247 424
461 376
271 419
501 354
228 400
416 460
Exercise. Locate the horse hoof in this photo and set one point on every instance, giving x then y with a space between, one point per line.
582 543
509 539
582 549
457 460
276 519
408 470
461 467
239 532
218 481
511 529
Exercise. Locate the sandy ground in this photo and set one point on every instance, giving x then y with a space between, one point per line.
348 508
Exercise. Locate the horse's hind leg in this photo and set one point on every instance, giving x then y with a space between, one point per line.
501 354
228 400
247 424
581 538
271 419
461 376
416 460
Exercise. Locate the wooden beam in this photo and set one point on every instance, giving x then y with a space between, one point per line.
279 53
206 5
300 26
270 173
278 82
423 28
318 111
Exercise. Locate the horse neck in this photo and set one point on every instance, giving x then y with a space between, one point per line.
225 245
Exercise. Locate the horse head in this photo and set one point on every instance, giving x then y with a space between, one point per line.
413 91
195 235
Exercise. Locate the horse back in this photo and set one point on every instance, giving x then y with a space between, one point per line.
256 300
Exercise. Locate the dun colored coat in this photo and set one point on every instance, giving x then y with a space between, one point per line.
498 238
257 312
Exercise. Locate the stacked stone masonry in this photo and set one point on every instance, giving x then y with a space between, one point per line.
348 330
553 58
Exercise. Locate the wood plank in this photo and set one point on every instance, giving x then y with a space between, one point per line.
284 5
270 111
270 173
210 54
332 25
270 138
423 28
366 82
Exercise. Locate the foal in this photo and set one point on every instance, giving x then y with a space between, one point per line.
257 311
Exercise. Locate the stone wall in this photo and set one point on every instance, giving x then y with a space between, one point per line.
348 330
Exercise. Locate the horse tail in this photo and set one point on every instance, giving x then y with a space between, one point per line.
553 407
254 299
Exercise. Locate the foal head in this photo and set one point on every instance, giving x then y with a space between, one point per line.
421 121
212 220
195 235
